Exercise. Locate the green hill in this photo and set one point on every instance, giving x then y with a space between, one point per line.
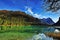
19 18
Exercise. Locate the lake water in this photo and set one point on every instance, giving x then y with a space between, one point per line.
31 29
42 36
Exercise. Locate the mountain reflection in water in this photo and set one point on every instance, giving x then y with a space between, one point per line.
41 36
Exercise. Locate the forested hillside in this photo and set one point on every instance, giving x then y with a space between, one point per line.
16 18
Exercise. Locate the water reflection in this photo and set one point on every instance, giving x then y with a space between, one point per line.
41 36
48 29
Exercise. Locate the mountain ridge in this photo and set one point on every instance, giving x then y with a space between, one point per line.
47 21
17 18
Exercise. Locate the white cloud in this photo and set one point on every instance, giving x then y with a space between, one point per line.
29 11
55 19
44 17
36 15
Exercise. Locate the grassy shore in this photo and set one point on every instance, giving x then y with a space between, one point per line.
29 29
15 36
17 32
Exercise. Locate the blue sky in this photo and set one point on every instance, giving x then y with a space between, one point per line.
32 7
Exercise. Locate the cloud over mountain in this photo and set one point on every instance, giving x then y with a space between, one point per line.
30 12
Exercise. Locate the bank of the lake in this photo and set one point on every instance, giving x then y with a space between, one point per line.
15 36
22 32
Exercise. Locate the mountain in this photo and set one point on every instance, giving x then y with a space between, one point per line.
47 21
17 18
57 23
21 18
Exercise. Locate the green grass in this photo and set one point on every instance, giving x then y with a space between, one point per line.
18 32
30 29
15 36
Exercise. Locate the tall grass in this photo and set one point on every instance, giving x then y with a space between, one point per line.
15 36
19 29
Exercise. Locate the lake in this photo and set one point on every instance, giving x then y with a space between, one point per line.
23 32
